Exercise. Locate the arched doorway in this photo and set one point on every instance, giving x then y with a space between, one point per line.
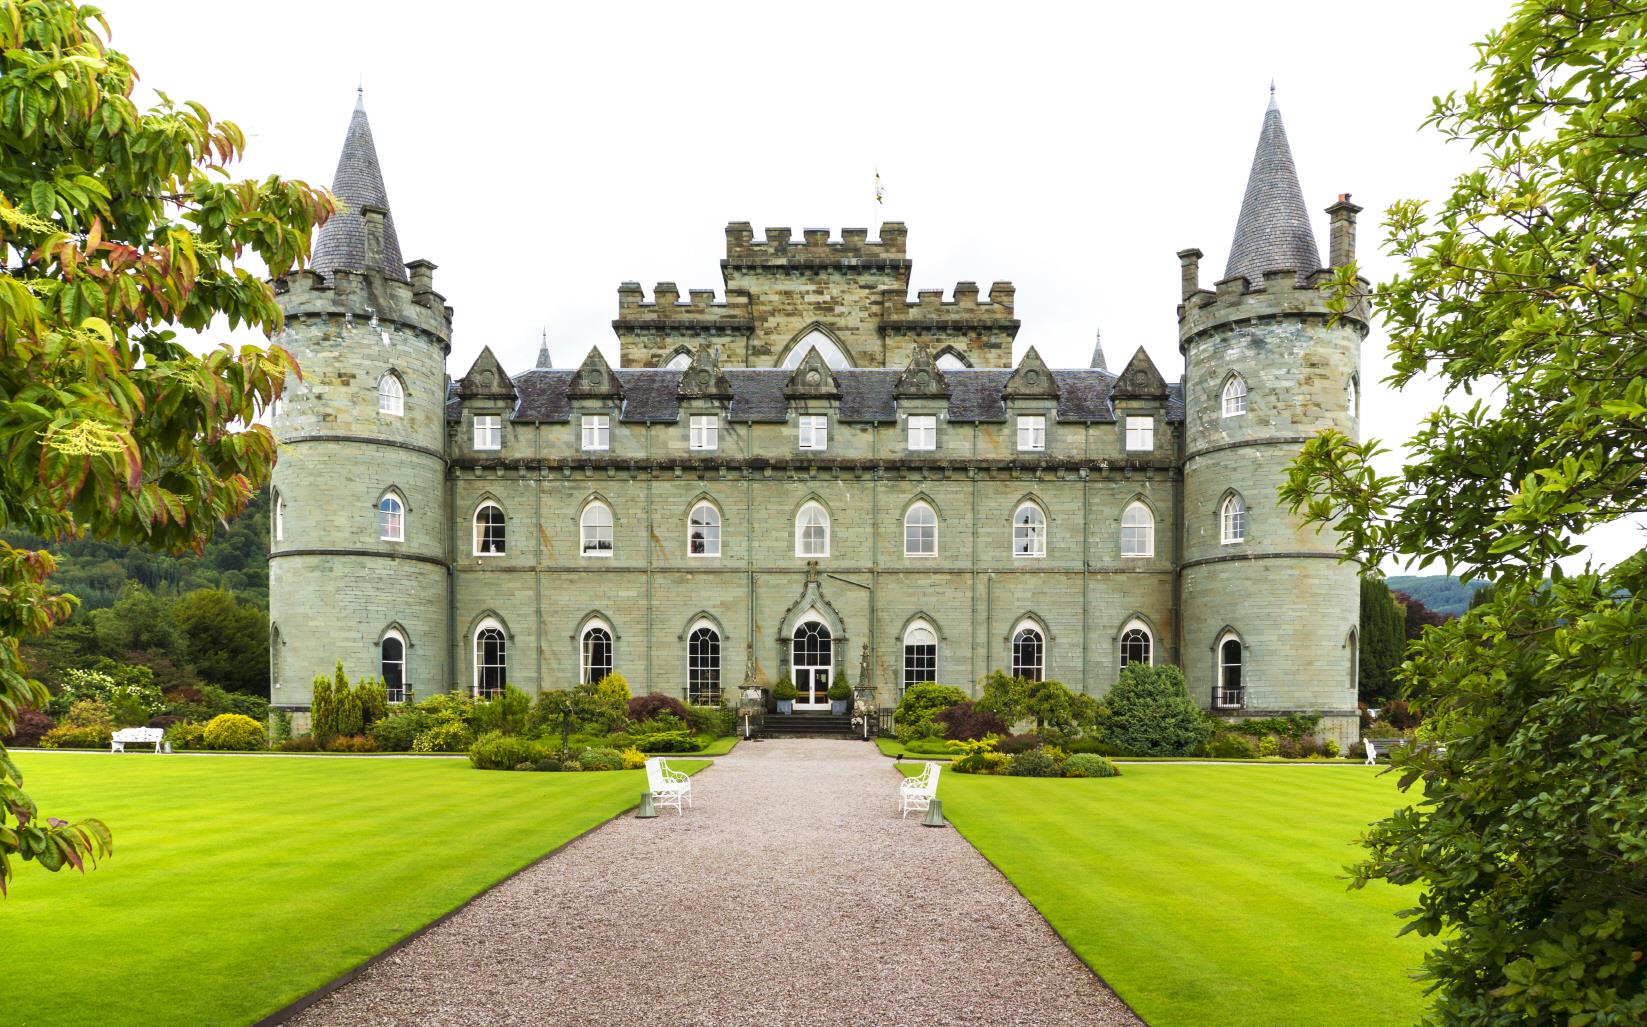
814 657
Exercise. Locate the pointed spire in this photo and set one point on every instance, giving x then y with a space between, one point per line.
543 351
347 242
1098 350
1273 233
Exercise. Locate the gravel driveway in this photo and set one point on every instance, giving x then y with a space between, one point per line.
792 894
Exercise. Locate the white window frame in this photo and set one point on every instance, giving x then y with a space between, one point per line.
814 432
279 517
588 531
1137 537
597 432
1140 437
488 431
803 522
924 507
1221 669
1037 549
1032 433
1352 392
586 664
391 395
1235 396
919 633
393 635
709 552
701 667
923 433
1149 643
478 536
703 432
1040 668
1232 520
478 650
391 530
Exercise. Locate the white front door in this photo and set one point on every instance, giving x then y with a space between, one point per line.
814 654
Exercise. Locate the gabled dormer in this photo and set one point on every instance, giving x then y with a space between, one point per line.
486 398
812 379
487 381
1031 379
702 397
922 396
922 377
595 396
1030 397
1140 379
703 379
595 380
1140 402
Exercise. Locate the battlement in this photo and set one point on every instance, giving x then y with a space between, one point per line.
413 304
929 306
1281 293
815 246
666 309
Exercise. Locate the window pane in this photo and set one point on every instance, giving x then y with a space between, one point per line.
1029 536
597 530
489 530
491 668
1032 433
703 532
1140 433
814 432
1028 653
393 668
597 431
391 396
920 663
390 519
704 432
488 431
597 654
1135 646
921 531
703 667
813 532
923 432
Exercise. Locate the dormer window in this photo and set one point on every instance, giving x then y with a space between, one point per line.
704 432
814 431
1140 434
597 431
923 432
1032 434
488 431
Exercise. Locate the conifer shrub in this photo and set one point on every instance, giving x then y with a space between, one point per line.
1269 746
1151 713
715 721
978 756
234 731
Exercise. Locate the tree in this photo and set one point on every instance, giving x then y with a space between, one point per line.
118 225
1416 616
1151 713
1529 843
1383 638
138 621
227 641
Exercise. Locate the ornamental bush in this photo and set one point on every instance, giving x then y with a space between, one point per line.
1090 764
715 721
666 741
234 731
497 751
1225 746
978 756
72 736
352 743
633 759
188 734
655 704
28 728
920 703
600 759
397 731
507 714
1041 761
444 736
965 721
1151 713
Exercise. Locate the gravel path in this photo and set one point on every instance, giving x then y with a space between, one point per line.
792 894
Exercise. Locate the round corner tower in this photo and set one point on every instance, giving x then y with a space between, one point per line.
1270 613
358 565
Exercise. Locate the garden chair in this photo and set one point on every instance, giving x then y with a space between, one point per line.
668 787
916 793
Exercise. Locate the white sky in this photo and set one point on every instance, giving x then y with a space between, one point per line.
542 153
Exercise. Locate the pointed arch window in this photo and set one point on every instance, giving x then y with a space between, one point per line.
920 654
812 531
392 665
1137 531
491 660
679 362
391 395
1029 531
1029 652
920 531
391 518
1232 519
948 361
703 665
490 529
1231 690
1137 644
703 530
595 530
1352 393
1235 396
279 517
827 348
596 652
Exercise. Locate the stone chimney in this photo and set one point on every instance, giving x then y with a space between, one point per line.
1341 236
1189 272
374 235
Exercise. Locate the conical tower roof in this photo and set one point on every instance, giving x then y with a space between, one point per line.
358 183
1274 231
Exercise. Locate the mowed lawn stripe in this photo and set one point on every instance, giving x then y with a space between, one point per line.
241 883
1208 894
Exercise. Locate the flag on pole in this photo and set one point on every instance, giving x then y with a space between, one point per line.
880 190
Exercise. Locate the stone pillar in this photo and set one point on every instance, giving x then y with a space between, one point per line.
1341 238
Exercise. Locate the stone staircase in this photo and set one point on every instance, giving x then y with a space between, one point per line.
807 725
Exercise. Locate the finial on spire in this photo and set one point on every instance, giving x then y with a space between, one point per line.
1272 106
360 95
1098 362
543 351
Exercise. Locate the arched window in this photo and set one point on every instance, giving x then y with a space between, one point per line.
277 660
1354 646
1137 645
679 362
491 661
595 529
1231 690
1137 531
812 531
279 517
1232 519
1029 531
832 354
391 395
597 652
391 518
920 654
392 665
813 652
489 529
1235 396
920 531
949 362
1352 393
1029 652
703 666
703 530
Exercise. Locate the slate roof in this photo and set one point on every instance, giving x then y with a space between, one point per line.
866 395
358 182
1273 232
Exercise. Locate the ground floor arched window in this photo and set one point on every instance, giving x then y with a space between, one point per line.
920 654
1136 645
1231 691
1029 653
703 666
392 666
491 661
596 652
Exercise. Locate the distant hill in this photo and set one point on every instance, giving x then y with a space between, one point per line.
1442 593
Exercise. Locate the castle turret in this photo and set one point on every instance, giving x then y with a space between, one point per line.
1267 368
358 566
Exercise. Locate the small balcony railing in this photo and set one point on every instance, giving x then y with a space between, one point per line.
1229 698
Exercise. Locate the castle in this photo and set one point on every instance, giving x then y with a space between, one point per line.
815 473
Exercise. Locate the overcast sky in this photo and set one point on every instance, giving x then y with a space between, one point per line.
540 154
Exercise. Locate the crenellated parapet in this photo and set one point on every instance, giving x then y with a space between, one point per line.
701 311
349 295
781 248
929 308
1236 300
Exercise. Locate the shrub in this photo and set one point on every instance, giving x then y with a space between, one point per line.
548 765
373 699
655 704
218 700
665 741
600 759
444 736
1014 744
164 721
1228 747
128 692
570 766
1331 748
187 734
1003 695
633 759
1297 725
1037 762
352 743
90 713
1089 764
497 751
965 721
76 736
715 721
397 731
507 714
1091 745
1399 715
28 728
659 724
604 704
1151 714
839 690
977 756
282 726
300 743
234 731
929 747
1268 747
1298 748
784 690
920 703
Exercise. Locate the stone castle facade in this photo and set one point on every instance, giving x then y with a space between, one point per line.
814 474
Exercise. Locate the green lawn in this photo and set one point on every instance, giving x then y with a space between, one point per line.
238 884
1208 894
893 747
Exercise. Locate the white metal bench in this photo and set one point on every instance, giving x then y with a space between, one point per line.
1377 747
136 736
916 793
668 787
